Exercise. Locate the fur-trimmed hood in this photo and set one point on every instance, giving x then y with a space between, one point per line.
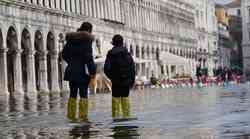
81 35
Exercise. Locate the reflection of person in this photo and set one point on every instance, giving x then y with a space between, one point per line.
120 69
81 68
82 132
130 132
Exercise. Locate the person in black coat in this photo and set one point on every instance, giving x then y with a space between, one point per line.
120 69
81 68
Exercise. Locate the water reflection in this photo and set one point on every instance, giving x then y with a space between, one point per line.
80 131
125 132
172 113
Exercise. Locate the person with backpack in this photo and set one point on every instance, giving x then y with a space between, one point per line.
81 69
119 67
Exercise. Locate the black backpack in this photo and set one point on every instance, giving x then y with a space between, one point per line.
123 69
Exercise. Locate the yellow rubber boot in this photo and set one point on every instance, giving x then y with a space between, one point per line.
125 107
71 109
116 107
83 109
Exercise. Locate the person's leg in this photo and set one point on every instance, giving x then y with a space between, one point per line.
72 101
116 102
125 103
83 103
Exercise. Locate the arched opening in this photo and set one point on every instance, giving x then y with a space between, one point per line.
98 46
38 57
137 51
60 61
143 53
11 55
131 50
50 49
148 52
26 46
157 54
153 53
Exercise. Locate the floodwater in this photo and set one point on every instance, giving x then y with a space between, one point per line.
205 113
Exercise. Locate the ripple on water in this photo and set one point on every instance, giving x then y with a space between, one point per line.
192 113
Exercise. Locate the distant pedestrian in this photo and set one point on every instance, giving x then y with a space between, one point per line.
80 70
120 69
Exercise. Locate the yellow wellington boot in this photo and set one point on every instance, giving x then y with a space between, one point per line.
83 109
125 107
116 107
71 109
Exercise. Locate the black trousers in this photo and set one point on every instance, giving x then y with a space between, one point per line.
120 91
75 87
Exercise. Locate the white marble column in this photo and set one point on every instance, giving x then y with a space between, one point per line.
54 71
31 85
90 7
119 12
98 8
77 6
86 12
169 71
63 4
47 3
18 82
68 5
94 9
57 4
3 72
43 72
73 5
101 8
115 12
53 4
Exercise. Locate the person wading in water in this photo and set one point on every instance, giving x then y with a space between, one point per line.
80 70
120 69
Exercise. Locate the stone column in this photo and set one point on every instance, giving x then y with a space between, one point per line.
169 72
57 4
86 12
43 72
90 7
52 4
65 85
119 13
73 5
31 73
54 71
140 58
3 72
94 11
47 3
101 8
18 82
115 10
77 6
68 5
98 7
63 4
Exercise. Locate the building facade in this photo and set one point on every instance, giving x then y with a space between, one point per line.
235 30
207 34
245 10
224 37
32 37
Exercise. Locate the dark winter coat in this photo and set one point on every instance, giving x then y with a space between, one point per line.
113 71
78 55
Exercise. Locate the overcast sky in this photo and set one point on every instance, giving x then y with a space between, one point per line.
223 1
